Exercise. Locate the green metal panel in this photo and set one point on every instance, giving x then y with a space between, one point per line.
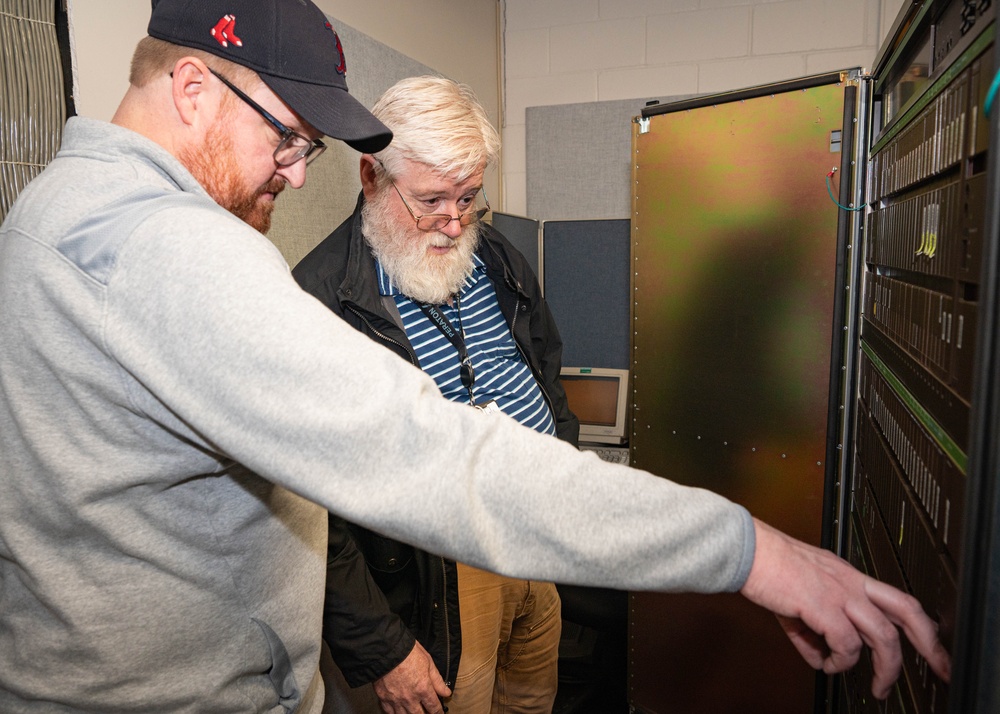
734 257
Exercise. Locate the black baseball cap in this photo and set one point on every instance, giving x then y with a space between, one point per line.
291 45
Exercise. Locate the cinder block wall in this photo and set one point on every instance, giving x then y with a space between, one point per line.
570 51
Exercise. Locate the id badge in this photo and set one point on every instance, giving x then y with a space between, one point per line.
490 407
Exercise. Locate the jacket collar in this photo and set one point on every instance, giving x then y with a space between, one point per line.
360 284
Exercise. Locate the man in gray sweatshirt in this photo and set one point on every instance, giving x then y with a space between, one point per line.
170 440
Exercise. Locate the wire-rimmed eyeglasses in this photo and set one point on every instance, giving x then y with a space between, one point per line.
293 147
436 221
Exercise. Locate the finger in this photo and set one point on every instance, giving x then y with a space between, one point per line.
809 645
887 662
423 699
919 629
437 681
432 706
441 689
882 637
841 640
843 653
410 704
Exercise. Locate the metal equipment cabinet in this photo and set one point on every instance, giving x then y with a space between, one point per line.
814 335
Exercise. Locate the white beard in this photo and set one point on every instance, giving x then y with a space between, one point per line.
404 255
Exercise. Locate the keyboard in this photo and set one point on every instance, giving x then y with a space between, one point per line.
614 454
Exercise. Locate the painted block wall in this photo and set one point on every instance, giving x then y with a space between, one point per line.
571 51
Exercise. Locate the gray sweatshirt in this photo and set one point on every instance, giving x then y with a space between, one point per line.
173 406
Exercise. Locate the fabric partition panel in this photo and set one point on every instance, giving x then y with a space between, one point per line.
586 278
523 233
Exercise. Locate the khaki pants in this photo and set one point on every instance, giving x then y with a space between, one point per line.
510 650
510 645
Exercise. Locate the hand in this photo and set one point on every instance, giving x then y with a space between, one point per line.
829 609
414 686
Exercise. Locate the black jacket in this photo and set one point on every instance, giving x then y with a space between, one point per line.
366 639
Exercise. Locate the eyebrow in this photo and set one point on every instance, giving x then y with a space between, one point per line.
423 195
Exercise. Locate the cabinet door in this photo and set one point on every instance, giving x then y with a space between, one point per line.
734 256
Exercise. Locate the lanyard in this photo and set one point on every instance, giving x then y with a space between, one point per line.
454 336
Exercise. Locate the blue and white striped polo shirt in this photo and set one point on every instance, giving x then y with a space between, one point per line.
500 372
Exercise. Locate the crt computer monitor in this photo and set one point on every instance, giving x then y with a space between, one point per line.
598 397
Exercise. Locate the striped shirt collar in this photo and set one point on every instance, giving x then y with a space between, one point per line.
387 287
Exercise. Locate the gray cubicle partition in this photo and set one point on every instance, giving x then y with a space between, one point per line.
579 158
585 267
523 233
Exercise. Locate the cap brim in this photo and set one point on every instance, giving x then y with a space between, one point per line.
333 111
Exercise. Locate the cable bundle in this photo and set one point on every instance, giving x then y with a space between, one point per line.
32 97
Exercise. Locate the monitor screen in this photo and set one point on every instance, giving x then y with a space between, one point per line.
598 397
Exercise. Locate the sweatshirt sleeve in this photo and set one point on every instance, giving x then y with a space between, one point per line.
203 313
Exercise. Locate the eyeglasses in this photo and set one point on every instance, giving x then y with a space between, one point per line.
293 147
436 221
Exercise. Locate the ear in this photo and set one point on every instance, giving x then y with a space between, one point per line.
190 92
368 183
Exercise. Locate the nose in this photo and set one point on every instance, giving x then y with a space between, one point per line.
295 174
453 228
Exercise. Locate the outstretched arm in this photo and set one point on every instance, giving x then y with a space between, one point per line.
829 610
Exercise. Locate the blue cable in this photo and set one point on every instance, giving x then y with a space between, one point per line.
991 94
829 190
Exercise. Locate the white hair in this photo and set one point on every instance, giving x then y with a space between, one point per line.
439 123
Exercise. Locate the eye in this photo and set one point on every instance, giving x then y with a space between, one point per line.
430 204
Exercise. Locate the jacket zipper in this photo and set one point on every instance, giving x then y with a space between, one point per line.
447 624
541 387
384 337
444 568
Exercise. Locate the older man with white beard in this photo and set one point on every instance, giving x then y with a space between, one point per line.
416 270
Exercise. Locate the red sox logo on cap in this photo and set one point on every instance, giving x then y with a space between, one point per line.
342 65
225 31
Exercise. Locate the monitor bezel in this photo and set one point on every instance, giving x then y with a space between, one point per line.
599 433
